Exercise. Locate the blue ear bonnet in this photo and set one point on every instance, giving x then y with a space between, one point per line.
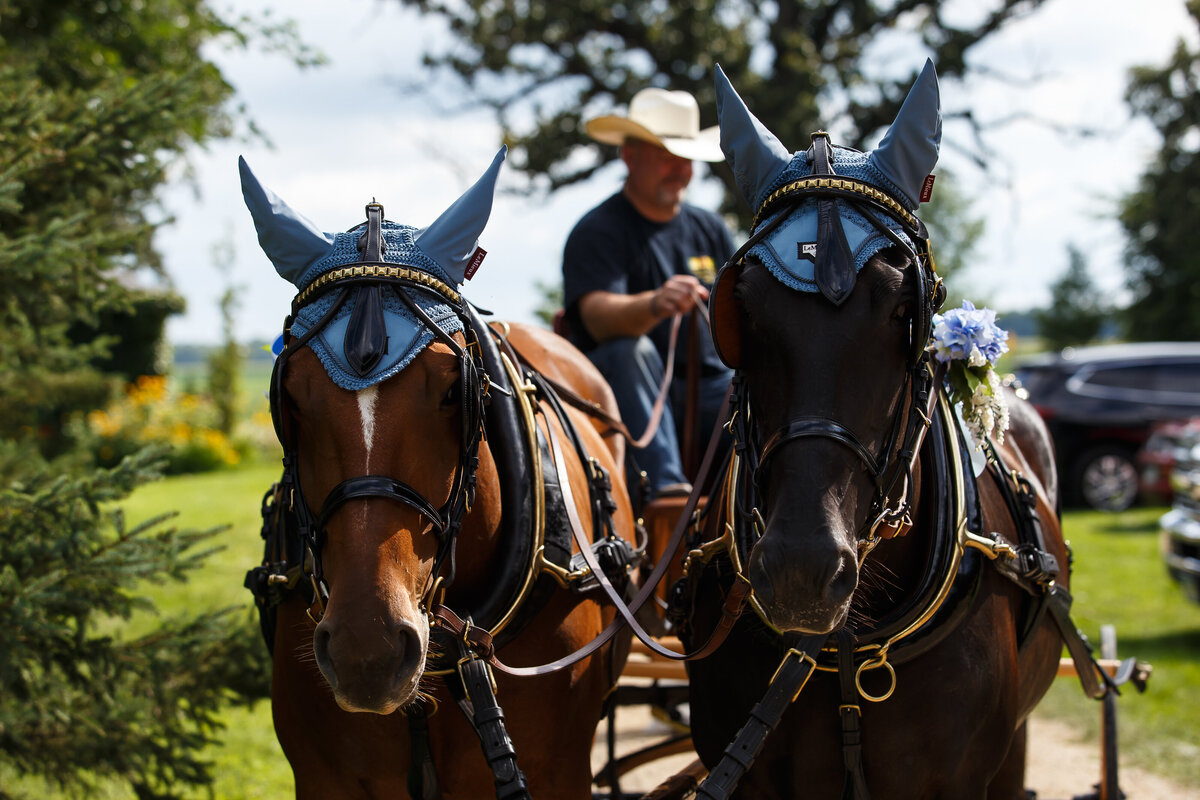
851 232
407 336
783 251
386 334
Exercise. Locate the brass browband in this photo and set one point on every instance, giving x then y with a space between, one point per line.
368 271
835 184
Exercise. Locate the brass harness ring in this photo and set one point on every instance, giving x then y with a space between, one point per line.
875 663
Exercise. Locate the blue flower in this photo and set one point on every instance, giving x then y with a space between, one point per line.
969 334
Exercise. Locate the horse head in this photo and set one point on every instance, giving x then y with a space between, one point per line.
832 362
377 398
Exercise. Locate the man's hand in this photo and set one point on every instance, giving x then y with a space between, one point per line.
607 316
678 295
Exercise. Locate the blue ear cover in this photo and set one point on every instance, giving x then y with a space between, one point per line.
754 153
761 164
290 239
911 146
301 253
452 238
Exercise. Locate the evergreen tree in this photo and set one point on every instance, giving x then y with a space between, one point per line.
79 701
96 100
1077 311
1159 217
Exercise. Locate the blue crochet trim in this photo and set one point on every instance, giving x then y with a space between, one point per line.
399 247
407 335
847 162
406 331
779 251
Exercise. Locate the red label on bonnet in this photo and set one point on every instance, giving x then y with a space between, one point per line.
473 266
927 189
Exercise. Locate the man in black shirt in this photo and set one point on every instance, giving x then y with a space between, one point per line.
640 257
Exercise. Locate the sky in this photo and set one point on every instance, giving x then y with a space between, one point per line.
340 135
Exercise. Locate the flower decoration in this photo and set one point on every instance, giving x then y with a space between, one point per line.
969 341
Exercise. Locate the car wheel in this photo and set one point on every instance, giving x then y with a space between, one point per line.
1106 478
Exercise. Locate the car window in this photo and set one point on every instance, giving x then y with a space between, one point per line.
1038 382
1170 383
1178 378
1137 377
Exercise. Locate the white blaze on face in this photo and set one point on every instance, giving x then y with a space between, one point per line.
366 410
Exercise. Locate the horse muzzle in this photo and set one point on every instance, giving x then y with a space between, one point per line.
803 583
373 665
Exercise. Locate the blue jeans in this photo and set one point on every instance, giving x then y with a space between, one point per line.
634 370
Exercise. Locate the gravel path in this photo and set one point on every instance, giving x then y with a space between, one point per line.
1060 766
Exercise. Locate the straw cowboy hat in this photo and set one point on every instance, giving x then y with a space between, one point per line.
669 119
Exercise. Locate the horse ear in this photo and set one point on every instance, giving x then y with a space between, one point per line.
910 148
753 152
452 238
289 239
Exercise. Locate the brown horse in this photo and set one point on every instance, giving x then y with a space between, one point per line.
850 507
402 522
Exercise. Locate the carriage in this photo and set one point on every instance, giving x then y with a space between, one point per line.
453 527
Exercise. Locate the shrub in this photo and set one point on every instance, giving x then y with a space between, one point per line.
147 413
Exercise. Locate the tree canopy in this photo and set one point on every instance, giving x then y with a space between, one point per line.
96 99
1077 311
542 65
1160 215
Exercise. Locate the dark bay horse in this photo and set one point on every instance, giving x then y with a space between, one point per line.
909 591
419 487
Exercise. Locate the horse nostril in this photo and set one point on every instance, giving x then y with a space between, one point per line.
760 579
321 642
844 580
408 649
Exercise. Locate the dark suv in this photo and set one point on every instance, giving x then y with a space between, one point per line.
1100 404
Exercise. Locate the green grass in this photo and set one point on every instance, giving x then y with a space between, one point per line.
248 762
1119 579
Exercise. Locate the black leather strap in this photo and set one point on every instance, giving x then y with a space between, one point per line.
1095 681
820 427
855 787
797 666
834 269
366 341
379 486
422 773
478 703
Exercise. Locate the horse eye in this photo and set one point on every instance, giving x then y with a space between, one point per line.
904 311
453 395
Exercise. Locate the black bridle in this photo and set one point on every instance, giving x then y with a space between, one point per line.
365 343
891 468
